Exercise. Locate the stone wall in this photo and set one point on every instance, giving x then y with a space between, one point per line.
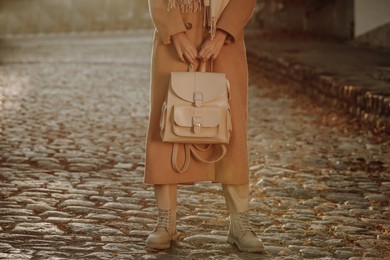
372 22
331 17
48 16
379 37
360 20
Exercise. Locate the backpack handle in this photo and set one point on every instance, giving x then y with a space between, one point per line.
194 150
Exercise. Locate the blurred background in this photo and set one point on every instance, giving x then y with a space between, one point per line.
365 21
74 93
54 16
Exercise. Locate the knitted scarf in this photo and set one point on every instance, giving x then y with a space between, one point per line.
212 10
186 6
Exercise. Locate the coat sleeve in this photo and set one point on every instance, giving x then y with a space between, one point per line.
167 22
235 16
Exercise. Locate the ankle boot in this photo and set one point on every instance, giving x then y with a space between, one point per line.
241 234
164 232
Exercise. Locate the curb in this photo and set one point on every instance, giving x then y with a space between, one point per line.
370 107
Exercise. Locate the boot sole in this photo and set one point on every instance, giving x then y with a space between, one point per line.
162 246
159 247
233 241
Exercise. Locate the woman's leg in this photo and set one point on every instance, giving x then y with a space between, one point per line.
240 231
236 197
165 230
166 196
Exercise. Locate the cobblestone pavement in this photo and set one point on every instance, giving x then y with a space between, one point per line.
73 120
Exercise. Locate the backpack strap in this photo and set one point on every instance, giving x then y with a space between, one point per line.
187 153
195 151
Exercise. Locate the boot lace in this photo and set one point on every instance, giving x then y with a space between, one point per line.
243 220
163 218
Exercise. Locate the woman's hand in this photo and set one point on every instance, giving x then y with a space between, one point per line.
212 47
184 48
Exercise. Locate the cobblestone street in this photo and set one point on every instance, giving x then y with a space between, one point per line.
73 118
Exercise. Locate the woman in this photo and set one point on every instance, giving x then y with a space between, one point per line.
181 38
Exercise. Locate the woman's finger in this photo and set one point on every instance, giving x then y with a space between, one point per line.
208 55
191 54
203 53
181 56
207 51
184 48
189 59
215 55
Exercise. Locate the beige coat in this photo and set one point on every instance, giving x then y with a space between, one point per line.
234 168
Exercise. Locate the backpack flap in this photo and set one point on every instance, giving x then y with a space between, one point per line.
200 86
